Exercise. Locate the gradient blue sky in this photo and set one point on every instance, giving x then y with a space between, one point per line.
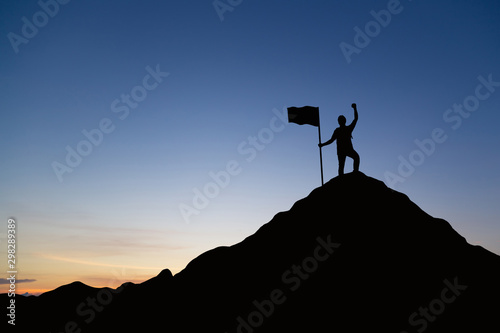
117 216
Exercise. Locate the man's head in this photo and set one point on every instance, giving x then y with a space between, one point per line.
341 120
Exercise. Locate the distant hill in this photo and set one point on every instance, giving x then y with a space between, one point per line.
353 256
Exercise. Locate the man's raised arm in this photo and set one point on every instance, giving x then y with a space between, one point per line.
353 105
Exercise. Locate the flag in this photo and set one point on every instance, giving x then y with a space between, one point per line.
305 115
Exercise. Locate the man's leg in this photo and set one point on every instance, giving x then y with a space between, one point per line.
341 164
355 157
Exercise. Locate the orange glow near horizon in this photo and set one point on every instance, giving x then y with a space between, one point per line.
100 275
45 286
93 263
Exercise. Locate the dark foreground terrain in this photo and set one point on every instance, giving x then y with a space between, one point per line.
353 256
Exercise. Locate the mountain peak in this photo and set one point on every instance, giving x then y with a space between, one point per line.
381 244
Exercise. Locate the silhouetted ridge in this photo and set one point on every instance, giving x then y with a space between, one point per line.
69 290
352 256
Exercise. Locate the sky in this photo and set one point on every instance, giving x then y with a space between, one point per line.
136 135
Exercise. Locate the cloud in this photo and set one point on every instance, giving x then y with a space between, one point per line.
94 263
119 240
5 281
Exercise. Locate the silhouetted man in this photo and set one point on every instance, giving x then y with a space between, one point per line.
343 135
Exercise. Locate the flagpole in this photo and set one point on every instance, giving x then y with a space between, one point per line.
320 154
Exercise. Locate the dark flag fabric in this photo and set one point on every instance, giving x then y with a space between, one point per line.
305 115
